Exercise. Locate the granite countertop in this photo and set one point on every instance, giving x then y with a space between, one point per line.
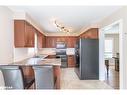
37 61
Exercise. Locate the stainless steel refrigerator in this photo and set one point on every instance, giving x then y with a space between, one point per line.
87 59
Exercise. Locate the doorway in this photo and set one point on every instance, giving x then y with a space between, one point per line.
110 54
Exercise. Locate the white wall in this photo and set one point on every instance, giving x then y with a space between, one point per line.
6 38
8 53
23 53
121 14
6 35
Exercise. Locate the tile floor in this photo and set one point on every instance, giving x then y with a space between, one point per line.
69 80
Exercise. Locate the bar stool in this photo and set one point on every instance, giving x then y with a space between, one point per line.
14 78
44 77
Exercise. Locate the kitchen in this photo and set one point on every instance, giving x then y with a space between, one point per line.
47 45
32 47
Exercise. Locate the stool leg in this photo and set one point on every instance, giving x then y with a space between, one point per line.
107 71
107 67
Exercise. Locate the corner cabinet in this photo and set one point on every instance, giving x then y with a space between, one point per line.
24 34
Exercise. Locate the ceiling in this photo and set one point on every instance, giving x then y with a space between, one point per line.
76 17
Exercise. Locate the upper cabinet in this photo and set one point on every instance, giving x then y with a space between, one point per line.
92 33
40 40
69 40
50 42
24 34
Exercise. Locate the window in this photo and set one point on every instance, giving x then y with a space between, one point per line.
108 48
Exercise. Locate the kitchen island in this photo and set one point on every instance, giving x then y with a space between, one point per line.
28 63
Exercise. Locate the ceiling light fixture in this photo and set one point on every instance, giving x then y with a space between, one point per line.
61 27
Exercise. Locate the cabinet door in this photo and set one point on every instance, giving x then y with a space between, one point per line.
57 76
71 62
61 39
74 42
53 42
68 42
32 36
19 34
29 35
23 34
28 71
43 41
39 40
49 42
71 41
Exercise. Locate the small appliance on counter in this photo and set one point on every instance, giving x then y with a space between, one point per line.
61 53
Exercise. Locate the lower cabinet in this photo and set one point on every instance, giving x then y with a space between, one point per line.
28 71
57 76
71 61
56 73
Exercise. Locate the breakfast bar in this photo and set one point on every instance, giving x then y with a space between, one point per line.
28 71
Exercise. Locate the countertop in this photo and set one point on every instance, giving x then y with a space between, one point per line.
37 61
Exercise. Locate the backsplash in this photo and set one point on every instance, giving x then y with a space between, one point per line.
23 53
52 51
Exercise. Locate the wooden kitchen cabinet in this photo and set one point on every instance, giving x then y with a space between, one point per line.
28 71
23 34
91 33
71 61
57 76
29 35
43 41
40 40
69 40
50 42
